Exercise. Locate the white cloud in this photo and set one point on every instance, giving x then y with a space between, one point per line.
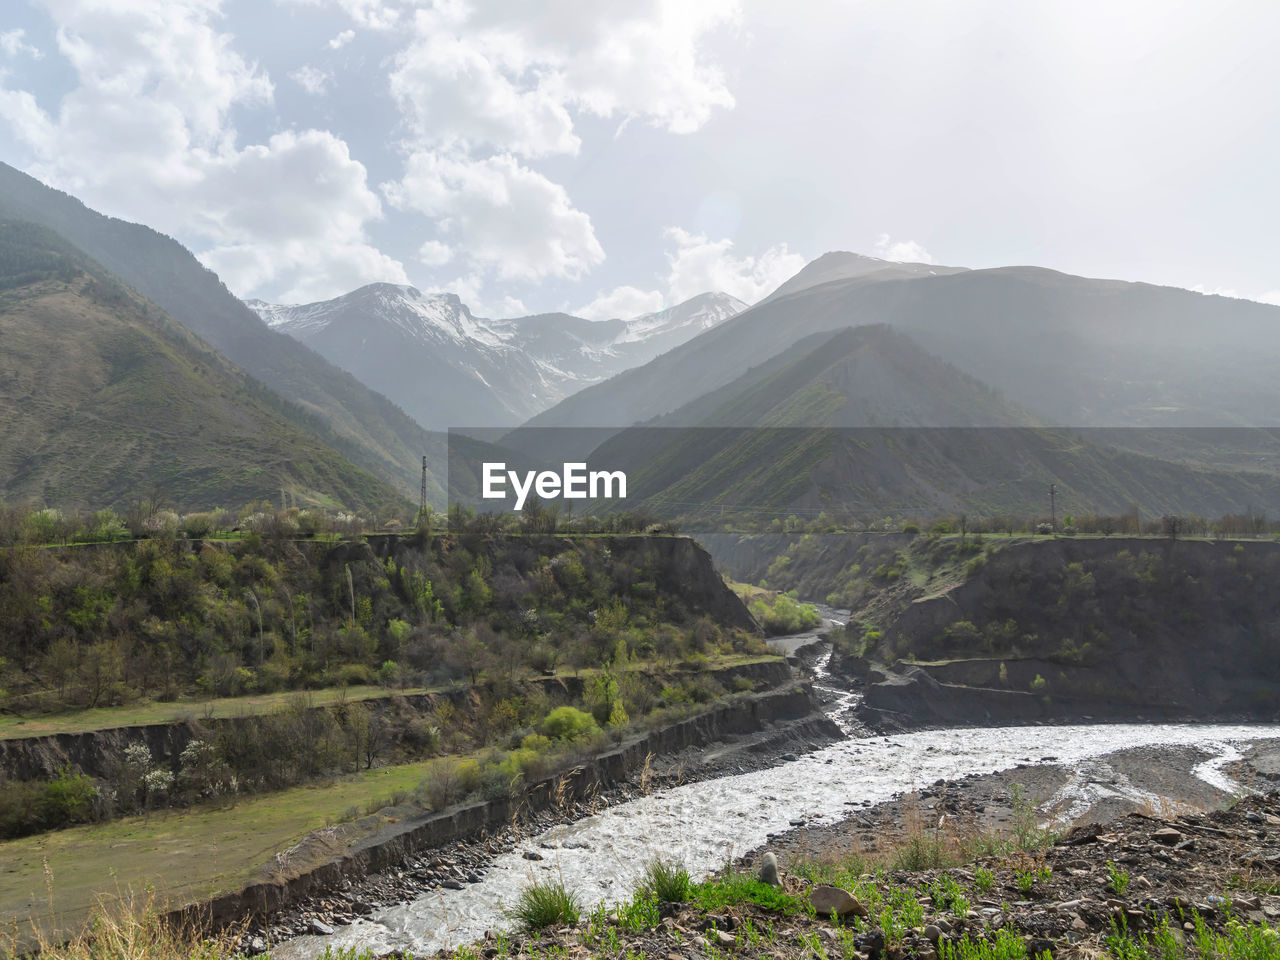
1271 297
312 79
147 134
627 57
902 251
369 14
342 39
435 254
460 91
699 265
625 302
13 43
292 213
507 218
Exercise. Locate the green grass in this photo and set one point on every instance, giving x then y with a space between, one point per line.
546 903
187 854
151 713
665 881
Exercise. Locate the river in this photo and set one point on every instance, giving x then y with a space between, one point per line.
707 824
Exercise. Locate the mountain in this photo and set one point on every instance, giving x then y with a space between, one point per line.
864 421
345 414
842 265
448 368
104 397
1070 350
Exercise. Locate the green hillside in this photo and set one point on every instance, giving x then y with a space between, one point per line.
104 397
364 426
837 423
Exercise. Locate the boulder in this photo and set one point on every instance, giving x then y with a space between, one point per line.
827 900
769 870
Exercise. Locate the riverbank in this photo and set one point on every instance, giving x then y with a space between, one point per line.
441 855
1135 858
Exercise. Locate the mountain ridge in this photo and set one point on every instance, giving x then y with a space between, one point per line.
448 367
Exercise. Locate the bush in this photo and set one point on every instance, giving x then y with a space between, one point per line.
30 806
546 904
569 723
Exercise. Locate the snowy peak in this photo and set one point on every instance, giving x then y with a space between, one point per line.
428 317
447 367
695 315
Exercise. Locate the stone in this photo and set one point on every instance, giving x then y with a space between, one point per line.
769 870
932 933
827 900
723 939
319 927
1168 836
530 855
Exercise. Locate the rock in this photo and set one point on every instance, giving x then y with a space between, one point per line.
827 900
769 870
319 927
723 939
933 933
1167 836
1085 833
530 855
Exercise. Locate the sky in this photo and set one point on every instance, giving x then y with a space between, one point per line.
611 158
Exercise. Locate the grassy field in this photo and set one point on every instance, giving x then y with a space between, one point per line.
147 713
186 855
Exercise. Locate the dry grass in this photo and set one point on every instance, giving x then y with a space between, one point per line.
125 927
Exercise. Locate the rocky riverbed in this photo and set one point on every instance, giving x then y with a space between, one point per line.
1164 869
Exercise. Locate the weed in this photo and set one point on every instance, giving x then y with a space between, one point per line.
665 881
1117 879
546 904
984 879
734 889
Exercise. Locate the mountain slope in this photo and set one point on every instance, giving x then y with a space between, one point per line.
1070 350
103 398
363 425
863 421
448 368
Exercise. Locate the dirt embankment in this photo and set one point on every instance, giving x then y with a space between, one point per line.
1065 629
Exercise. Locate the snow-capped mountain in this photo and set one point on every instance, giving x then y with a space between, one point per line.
446 367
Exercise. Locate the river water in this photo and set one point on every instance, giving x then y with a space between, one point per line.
704 825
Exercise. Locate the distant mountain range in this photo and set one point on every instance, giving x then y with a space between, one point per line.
127 361
864 422
1072 351
448 368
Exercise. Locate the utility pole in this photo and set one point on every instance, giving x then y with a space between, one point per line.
1053 508
422 503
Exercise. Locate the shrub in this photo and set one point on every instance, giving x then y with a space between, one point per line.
569 723
546 904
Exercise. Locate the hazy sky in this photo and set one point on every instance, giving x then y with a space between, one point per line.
613 156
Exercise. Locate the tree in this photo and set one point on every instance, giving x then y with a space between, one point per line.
1172 525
